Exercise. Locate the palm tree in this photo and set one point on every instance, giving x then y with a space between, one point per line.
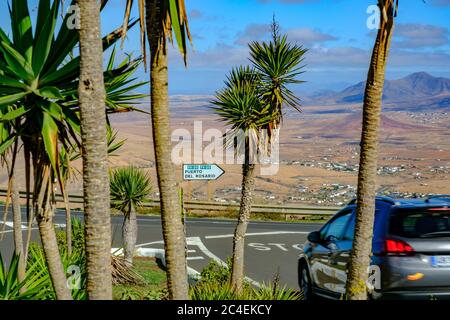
129 188
277 65
362 245
38 100
240 106
164 19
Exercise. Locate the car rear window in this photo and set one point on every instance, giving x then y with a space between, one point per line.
424 223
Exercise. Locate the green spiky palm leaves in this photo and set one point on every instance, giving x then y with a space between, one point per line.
240 106
39 72
38 87
32 287
279 63
129 188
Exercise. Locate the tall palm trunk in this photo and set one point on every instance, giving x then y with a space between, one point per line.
174 239
17 220
44 210
248 186
365 212
95 161
129 234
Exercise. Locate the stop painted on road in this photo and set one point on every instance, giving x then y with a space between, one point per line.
274 246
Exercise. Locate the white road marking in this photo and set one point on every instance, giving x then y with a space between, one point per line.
24 227
150 243
195 258
197 241
11 225
267 247
11 231
281 246
156 253
191 241
259 246
256 234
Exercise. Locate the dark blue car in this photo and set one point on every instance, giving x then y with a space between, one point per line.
410 251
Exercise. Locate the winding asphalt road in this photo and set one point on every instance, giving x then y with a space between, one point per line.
271 247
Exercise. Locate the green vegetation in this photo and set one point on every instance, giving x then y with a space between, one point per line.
77 237
146 280
154 287
40 108
75 266
33 287
129 188
214 284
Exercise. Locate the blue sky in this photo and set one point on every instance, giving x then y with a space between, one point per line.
335 32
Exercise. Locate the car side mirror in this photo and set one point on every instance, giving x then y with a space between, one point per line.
314 237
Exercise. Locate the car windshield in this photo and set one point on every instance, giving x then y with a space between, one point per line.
428 223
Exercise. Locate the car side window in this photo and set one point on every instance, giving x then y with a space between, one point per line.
350 230
336 227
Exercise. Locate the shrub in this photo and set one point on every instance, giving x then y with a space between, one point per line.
214 284
76 262
135 294
77 236
34 286
216 273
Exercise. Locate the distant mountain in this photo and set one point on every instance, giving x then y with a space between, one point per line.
416 92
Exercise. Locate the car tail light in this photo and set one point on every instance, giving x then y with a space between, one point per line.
398 247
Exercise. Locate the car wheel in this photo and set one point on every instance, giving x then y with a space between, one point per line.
305 282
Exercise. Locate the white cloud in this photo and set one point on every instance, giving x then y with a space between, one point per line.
414 35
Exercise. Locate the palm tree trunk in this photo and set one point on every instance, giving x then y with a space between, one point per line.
365 212
50 246
30 214
95 161
17 218
17 222
248 186
44 215
171 216
129 232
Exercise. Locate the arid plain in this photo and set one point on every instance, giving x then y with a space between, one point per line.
319 154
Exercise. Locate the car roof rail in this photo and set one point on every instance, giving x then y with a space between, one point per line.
438 196
380 198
